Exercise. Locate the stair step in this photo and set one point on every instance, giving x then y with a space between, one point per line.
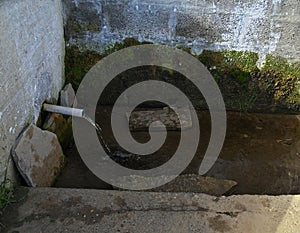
81 210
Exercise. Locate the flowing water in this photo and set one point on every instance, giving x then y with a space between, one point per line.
261 153
99 133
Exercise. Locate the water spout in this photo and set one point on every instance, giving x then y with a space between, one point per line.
75 112
64 110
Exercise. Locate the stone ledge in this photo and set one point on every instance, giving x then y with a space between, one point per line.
74 210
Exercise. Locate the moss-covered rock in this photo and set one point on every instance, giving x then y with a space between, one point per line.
78 63
61 126
245 87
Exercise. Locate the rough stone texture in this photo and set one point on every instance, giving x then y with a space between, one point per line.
38 156
198 184
70 210
141 120
221 32
189 183
264 26
61 126
82 16
67 96
31 67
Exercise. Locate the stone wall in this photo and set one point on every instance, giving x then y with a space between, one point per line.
247 45
262 26
31 67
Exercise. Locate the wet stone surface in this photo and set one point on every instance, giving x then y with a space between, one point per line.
261 153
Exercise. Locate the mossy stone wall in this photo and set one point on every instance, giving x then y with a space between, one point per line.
273 88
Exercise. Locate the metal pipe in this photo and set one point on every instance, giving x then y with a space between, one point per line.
64 110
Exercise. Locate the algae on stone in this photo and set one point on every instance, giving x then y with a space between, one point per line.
245 87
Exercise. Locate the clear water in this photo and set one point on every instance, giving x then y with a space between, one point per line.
107 149
121 155
99 133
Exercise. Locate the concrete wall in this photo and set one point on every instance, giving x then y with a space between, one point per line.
31 65
263 26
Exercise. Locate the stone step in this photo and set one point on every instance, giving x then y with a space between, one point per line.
79 210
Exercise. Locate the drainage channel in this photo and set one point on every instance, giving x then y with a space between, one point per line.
261 154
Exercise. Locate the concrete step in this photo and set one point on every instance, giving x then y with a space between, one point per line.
79 210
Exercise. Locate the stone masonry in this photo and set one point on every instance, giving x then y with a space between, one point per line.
31 67
263 26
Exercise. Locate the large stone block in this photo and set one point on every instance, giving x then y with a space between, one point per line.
82 17
31 68
263 26
38 156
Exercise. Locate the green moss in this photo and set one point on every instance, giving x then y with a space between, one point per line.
6 193
244 86
78 63
184 48
232 64
281 64
128 42
243 60
282 80
241 76
61 126
245 102
78 27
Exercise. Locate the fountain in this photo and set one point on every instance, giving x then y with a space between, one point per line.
75 112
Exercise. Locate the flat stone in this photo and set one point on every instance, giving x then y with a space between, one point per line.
81 210
141 120
183 183
67 96
38 156
198 184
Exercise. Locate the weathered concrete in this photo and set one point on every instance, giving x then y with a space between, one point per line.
70 210
238 41
189 183
264 26
31 67
38 157
198 184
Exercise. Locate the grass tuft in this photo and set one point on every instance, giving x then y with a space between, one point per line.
6 193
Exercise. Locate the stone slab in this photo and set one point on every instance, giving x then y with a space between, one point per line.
38 156
74 210
141 120
183 183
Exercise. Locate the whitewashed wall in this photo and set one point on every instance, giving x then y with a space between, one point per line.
31 65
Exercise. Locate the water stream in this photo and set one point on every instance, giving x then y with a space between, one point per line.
99 133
